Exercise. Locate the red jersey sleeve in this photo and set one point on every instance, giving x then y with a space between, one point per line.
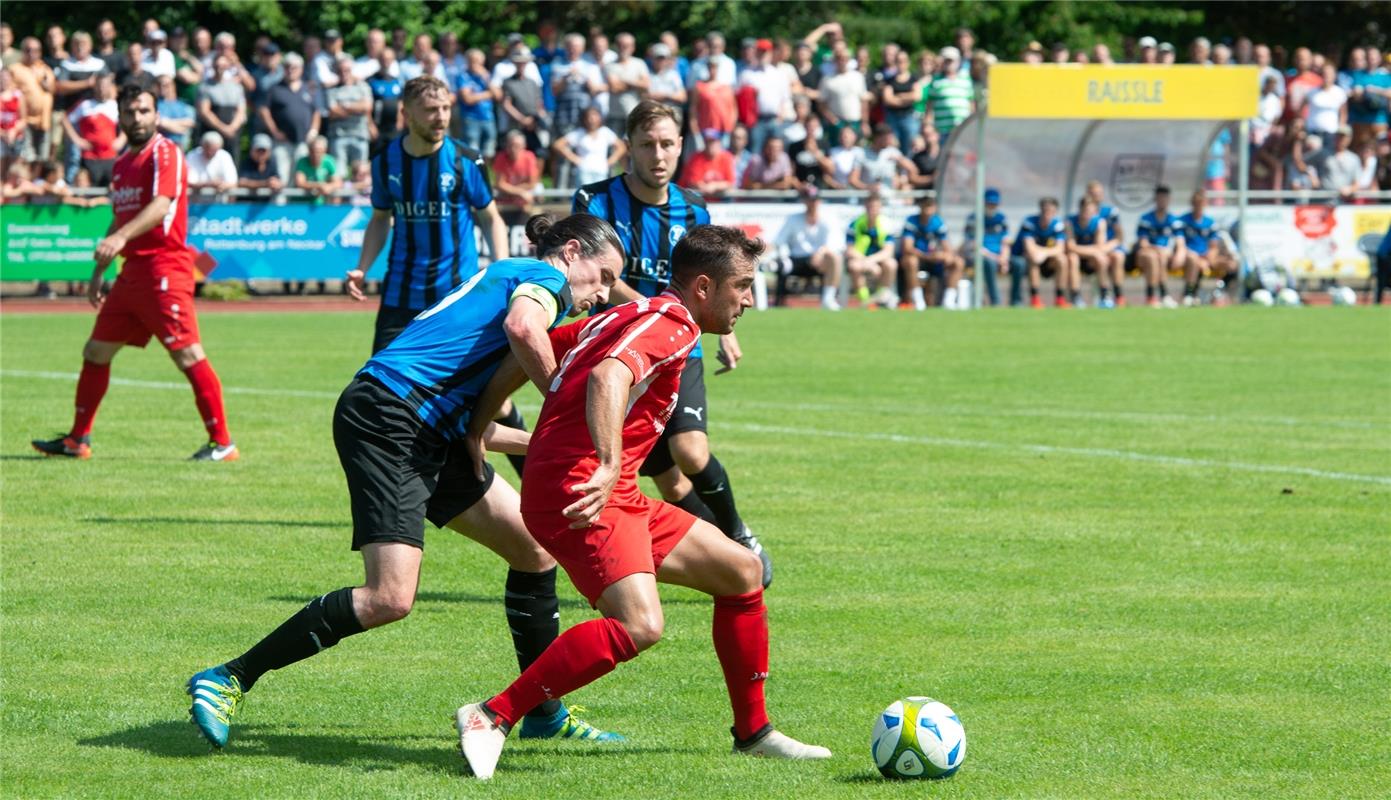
655 340
168 168
563 338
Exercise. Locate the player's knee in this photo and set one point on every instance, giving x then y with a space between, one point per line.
644 628
97 352
387 605
747 573
691 452
530 557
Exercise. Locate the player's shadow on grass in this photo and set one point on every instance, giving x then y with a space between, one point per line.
204 522
463 599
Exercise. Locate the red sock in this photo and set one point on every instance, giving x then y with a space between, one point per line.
207 393
579 656
91 388
741 642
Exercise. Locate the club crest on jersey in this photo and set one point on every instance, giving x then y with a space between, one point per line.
677 232
447 182
126 195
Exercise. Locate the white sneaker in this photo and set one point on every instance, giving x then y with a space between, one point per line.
480 739
1169 302
1189 301
776 745
830 304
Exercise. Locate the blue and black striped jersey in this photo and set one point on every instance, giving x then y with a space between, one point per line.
1084 234
445 357
431 199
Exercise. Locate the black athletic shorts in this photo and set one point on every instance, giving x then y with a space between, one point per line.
400 471
689 416
390 322
802 267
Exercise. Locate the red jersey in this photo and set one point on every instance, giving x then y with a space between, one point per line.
651 337
157 169
97 122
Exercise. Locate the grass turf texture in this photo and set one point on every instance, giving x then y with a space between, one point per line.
959 505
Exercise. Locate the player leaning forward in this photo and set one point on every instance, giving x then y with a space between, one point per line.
615 389
153 295
396 426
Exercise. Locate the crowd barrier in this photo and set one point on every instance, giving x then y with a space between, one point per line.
243 241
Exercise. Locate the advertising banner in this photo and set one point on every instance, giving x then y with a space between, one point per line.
1123 91
50 242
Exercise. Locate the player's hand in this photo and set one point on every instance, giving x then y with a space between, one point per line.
594 494
356 280
109 248
96 292
729 353
477 451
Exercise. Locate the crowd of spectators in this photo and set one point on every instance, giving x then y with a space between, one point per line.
761 113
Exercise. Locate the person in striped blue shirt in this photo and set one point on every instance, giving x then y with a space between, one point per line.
401 429
1207 253
925 247
1039 250
651 214
1159 249
1089 249
1115 239
427 191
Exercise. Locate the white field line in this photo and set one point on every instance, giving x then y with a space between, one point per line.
933 441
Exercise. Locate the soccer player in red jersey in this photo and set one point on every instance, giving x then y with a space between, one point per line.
612 394
153 295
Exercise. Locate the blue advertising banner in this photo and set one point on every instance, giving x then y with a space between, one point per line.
292 242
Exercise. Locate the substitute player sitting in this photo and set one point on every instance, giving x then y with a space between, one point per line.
1115 239
925 248
1207 254
807 239
1040 250
396 426
606 406
995 256
1089 248
1159 249
153 295
869 255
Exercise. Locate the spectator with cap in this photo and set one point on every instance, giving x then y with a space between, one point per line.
773 95
267 70
882 167
476 92
995 243
92 127
323 67
258 170
1168 54
1032 53
35 82
666 86
346 111
810 248
222 105
211 171
1338 168
629 81
575 82
771 168
157 57
711 170
387 89
291 116
517 172
317 172
177 119
845 97
950 96
524 105
1149 50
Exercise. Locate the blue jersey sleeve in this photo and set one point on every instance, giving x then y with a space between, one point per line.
476 189
586 202
381 198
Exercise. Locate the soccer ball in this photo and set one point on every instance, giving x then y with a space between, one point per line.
1343 296
918 737
1287 297
1262 297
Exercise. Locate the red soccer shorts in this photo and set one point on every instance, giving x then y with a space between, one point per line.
162 308
622 542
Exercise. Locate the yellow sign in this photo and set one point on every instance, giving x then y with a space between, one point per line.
1144 91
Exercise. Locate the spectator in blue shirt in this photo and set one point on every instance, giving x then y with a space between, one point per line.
476 97
1089 249
925 248
995 259
1040 252
1114 238
176 118
1207 253
1159 248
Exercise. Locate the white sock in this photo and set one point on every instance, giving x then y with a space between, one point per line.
917 296
949 298
828 294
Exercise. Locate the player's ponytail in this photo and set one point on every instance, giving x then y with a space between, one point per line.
549 234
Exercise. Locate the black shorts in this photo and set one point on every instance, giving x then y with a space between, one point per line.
390 322
400 472
802 268
690 415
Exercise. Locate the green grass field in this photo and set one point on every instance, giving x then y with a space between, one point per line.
1141 553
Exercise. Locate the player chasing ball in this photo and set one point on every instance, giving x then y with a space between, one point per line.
395 427
606 407
153 295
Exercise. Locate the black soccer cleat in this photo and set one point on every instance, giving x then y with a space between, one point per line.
747 539
79 447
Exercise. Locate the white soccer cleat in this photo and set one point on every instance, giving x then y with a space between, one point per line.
777 745
1169 302
480 739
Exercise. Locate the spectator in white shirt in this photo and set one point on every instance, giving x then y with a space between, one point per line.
210 168
714 63
369 64
773 92
1327 105
845 97
158 59
844 157
666 85
419 61
323 67
592 150
807 243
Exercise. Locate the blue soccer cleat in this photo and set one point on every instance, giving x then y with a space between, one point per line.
216 694
565 725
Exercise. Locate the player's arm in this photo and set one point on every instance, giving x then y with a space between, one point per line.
483 434
151 215
529 318
490 220
96 287
606 399
373 239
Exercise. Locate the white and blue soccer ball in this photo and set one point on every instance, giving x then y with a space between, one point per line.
1287 297
1263 297
918 737
1343 296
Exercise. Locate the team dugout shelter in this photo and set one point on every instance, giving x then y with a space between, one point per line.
1047 129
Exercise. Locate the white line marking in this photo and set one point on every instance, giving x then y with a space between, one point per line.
935 441
1096 452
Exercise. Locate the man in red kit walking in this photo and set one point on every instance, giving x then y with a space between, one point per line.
153 296
612 394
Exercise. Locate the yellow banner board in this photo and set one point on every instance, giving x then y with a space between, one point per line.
1132 91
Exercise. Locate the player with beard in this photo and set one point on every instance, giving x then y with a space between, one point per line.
153 295
652 214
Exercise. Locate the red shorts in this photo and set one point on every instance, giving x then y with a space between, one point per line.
160 307
622 542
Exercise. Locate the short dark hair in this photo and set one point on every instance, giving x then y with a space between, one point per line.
649 111
594 234
1049 201
130 91
1162 188
712 250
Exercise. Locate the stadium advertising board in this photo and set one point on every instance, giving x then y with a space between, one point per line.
50 242
1076 91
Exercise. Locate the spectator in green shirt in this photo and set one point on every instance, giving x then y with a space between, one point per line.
950 97
317 173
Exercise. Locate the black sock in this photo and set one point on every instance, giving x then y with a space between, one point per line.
515 421
1163 291
712 485
1033 291
1058 293
533 617
1190 289
1105 293
693 505
1149 292
318 626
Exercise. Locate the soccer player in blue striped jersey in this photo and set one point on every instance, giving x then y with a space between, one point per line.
400 429
652 214
1159 248
1088 249
1207 253
1115 239
925 247
1040 250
